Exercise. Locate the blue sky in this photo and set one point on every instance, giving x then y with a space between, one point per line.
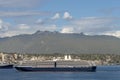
93 17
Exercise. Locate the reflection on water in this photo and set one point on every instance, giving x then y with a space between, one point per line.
102 73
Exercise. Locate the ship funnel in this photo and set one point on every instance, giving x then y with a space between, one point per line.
67 57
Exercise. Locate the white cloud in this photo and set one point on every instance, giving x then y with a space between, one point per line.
9 34
3 26
88 25
19 3
13 33
96 24
40 21
67 16
22 13
56 16
67 30
23 26
15 8
113 33
51 27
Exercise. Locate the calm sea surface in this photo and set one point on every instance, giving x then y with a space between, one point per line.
102 73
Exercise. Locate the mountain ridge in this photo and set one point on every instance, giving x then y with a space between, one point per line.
46 42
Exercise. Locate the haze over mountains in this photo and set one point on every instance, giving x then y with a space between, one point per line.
43 42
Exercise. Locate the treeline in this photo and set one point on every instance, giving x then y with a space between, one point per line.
103 58
109 58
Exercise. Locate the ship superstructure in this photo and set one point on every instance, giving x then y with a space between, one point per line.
67 65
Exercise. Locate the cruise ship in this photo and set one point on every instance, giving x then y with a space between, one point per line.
66 65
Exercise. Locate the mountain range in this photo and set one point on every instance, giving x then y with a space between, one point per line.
46 42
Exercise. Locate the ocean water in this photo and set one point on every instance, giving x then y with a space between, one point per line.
102 73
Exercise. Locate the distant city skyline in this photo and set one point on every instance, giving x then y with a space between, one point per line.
94 17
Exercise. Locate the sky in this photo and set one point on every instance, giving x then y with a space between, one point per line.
92 17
